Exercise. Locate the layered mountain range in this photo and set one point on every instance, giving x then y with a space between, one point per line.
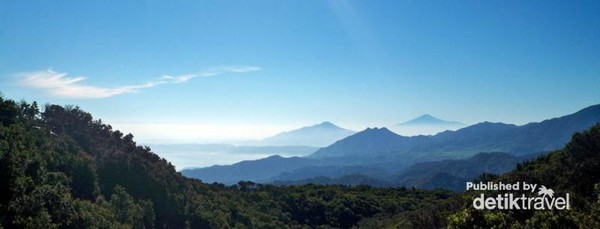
62 168
383 157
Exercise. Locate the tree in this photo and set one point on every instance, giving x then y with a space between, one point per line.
9 112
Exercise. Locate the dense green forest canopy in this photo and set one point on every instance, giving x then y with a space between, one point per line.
574 170
61 168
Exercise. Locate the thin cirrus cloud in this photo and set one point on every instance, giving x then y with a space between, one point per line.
210 72
57 84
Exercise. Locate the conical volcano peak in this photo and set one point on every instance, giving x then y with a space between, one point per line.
428 119
327 124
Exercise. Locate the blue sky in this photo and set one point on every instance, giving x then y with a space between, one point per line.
182 71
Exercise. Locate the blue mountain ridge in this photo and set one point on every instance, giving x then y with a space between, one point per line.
377 149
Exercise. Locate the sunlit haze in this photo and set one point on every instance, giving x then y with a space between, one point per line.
159 132
204 71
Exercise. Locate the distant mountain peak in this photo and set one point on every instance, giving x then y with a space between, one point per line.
318 135
324 125
427 116
327 124
425 124
361 142
427 119
377 130
374 133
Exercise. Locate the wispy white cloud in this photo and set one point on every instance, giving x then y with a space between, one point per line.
177 79
58 84
61 85
211 72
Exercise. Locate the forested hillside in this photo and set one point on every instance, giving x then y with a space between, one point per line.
61 168
574 170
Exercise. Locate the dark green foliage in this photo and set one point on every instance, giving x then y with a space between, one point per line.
128 212
9 112
574 170
63 169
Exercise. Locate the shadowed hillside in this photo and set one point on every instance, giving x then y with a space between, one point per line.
575 170
61 168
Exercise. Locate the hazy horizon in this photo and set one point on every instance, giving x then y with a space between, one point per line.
206 71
